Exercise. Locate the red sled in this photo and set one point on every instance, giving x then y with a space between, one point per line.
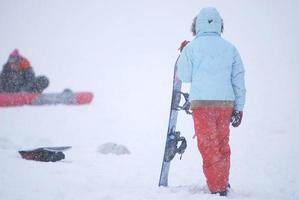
67 97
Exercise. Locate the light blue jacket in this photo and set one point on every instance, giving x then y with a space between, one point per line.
211 64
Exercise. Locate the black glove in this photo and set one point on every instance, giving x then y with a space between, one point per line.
236 118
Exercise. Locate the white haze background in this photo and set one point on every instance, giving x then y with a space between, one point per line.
124 51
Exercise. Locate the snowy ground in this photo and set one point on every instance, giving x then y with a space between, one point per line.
124 52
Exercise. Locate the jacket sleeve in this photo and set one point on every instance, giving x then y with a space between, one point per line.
184 65
29 75
238 81
28 79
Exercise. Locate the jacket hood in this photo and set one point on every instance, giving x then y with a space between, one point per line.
208 21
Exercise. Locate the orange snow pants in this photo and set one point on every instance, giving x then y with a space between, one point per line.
212 131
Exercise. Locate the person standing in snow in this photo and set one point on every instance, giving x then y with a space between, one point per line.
18 76
214 68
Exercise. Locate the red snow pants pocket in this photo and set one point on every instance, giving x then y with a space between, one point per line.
212 130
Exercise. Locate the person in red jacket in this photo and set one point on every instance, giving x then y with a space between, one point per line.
18 76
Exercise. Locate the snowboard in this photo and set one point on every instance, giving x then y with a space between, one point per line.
173 138
66 97
55 149
45 154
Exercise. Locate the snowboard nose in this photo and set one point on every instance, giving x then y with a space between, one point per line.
84 98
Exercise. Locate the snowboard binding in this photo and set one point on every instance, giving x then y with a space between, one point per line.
173 147
185 106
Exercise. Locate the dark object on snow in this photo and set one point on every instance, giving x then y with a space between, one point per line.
42 155
45 154
173 136
18 76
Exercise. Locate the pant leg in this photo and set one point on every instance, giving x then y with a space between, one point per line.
210 139
223 123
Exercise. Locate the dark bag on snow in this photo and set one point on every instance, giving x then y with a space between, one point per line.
42 155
